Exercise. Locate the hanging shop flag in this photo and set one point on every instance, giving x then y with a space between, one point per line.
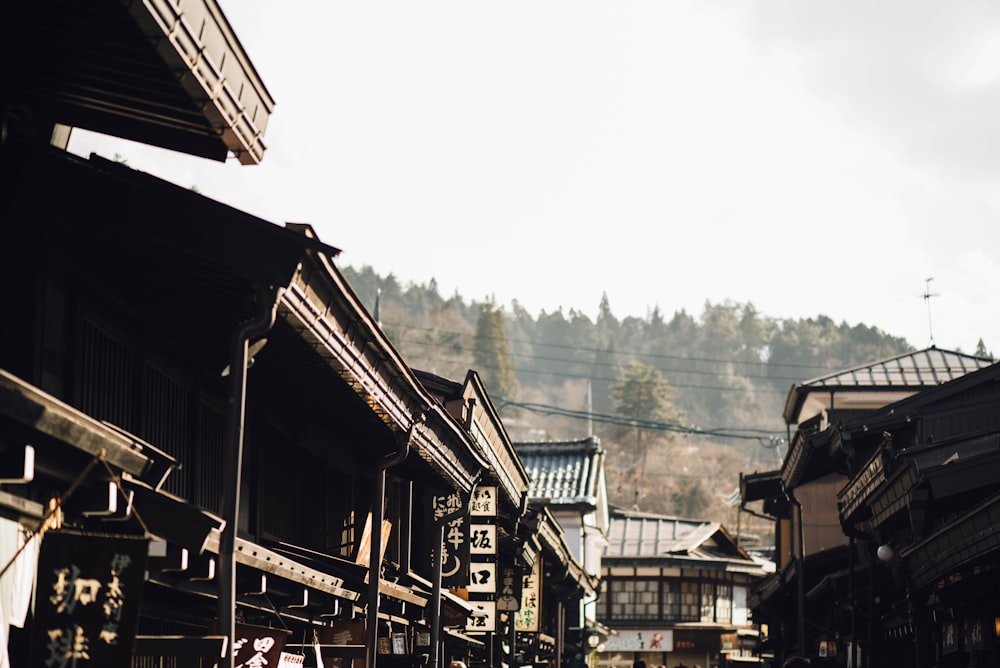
455 550
257 646
87 596
484 502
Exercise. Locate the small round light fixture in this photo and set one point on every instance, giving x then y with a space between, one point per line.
885 552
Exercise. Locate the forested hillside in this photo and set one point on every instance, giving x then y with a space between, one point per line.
717 381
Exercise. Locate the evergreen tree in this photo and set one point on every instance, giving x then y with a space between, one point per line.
645 395
491 353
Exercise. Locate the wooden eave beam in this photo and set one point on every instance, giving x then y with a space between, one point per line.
41 411
268 561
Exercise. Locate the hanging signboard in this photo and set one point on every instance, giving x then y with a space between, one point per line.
482 577
509 598
87 597
455 550
526 618
256 646
483 539
484 617
484 502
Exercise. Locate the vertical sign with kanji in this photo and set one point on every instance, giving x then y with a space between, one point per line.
526 619
455 551
483 556
87 595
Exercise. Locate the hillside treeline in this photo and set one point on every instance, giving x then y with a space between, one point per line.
729 370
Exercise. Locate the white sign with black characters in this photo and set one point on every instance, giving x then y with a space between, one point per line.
484 618
483 539
484 502
483 577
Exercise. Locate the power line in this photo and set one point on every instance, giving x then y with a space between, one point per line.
689 386
759 435
697 372
685 358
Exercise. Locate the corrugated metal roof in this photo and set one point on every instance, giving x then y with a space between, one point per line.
562 471
928 367
906 373
634 534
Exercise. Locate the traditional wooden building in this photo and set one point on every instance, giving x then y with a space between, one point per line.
142 308
674 591
804 603
499 557
568 481
922 508
285 499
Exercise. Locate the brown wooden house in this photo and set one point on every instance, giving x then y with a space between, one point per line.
821 601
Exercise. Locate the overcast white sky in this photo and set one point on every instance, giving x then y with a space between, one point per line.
821 157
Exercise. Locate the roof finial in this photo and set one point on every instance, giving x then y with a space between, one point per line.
927 298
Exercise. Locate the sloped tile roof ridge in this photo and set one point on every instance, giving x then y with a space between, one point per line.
692 541
586 444
928 366
638 534
621 511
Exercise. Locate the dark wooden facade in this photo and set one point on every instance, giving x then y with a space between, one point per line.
177 371
911 486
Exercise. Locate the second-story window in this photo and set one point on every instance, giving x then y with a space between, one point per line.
690 602
634 599
723 603
671 600
707 602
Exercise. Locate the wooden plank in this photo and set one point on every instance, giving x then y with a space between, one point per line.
401 593
19 509
36 409
269 561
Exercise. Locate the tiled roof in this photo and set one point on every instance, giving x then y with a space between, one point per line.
635 534
928 367
563 472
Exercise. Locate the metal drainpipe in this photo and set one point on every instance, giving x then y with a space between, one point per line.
233 460
800 576
435 648
375 553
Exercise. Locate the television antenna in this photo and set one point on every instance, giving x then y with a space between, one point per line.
927 299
